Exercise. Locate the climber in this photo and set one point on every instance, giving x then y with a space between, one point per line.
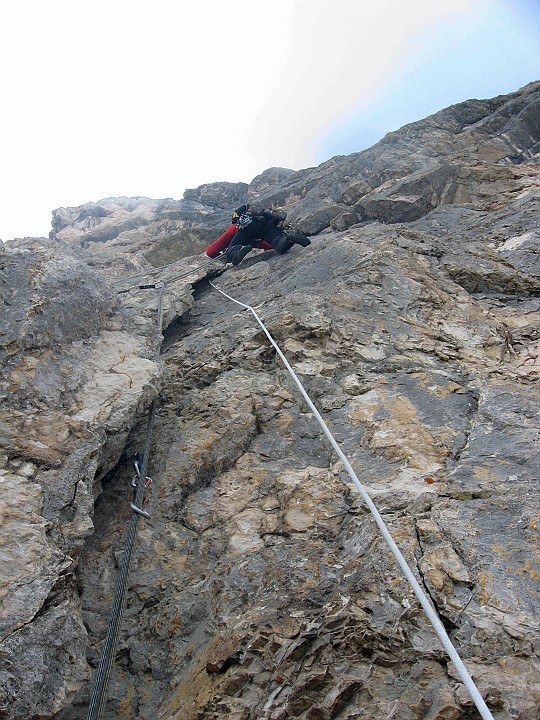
251 228
219 246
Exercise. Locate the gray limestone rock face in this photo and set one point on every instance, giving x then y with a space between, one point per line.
261 586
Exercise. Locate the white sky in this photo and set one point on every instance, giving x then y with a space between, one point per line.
103 98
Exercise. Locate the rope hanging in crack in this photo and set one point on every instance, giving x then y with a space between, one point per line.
421 596
108 652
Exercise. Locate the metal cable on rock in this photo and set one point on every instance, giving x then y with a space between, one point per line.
108 652
147 273
101 680
421 596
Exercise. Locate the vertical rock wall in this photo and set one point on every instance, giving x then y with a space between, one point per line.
261 585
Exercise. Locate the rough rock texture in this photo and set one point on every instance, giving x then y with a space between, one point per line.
261 587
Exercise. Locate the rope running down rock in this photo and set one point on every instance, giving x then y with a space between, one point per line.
421 596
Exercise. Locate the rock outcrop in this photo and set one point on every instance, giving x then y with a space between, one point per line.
261 586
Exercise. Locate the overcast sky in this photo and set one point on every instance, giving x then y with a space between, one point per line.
103 98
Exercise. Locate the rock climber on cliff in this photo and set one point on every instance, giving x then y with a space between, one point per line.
252 227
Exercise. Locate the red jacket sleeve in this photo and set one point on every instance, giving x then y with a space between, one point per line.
222 243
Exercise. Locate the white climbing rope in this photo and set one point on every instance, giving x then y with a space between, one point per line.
421 596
